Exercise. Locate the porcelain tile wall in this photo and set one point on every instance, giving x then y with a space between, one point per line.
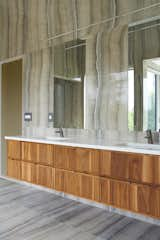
33 26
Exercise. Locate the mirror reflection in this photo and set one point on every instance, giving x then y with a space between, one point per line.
69 74
144 76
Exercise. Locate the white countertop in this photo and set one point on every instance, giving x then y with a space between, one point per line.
90 143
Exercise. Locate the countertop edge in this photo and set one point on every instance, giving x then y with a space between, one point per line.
84 145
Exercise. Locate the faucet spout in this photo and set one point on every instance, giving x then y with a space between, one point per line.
149 136
60 131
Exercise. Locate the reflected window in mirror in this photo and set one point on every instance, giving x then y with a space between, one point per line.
144 75
151 94
131 99
69 74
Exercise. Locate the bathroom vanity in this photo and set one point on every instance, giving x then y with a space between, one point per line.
121 177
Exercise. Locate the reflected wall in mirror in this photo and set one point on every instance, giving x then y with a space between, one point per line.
69 75
144 76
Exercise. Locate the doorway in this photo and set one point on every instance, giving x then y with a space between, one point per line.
11 105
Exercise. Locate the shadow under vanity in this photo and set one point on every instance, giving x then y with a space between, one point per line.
118 178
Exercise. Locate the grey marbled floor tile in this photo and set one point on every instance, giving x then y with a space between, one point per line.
27 213
52 230
127 229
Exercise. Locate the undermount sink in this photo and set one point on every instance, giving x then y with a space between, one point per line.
57 138
140 146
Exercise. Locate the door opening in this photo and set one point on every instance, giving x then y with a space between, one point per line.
11 105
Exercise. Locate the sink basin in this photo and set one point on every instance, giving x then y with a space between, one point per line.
57 138
140 146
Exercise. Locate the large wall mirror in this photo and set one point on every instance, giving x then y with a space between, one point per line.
144 76
69 74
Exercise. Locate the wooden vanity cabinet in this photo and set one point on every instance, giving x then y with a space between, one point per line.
77 184
67 181
114 164
28 172
124 180
101 190
75 159
14 168
14 159
14 150
145 169
45 176
145 200
112 192
45 154
30 152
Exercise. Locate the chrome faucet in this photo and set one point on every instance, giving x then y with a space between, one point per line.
149 136
60 131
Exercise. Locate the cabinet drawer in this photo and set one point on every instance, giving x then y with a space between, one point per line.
45 155
120 194
29 152
28 172
86 186
114 164
145 200
145 169
59 180
72 183
75 159
111 192
14 149
45 176
14 169
101 190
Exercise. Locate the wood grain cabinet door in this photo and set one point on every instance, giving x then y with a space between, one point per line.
72 183
86 160
120 194
81 160
14 149
59 180
45 176
14 169
28 172
101 190
114 165
61 156
86 186
145 200
145 169
30 152
45 155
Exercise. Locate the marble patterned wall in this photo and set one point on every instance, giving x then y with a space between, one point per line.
32 27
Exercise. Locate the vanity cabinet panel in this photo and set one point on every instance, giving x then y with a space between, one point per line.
76 159
114 164
120 194
101 190
145 200
45 176
86 186
62 156
59 180
28 172
14 149
112 192
14 168
30 152
45 155
72 183
145 169
86 160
